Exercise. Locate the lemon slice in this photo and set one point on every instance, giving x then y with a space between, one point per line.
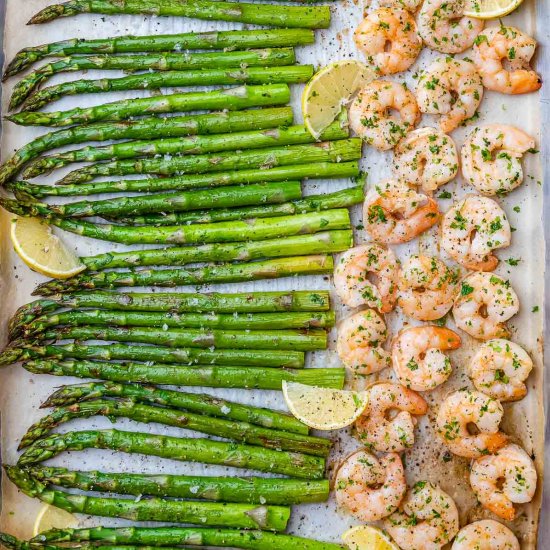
490 9
43 251
51 517
323 408
331 88
365 537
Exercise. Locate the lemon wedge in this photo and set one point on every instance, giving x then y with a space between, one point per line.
324 408
365 537
51 517
43 251
490 9
331 88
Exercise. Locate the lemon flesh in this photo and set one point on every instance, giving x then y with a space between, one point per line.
490 9
365 537
51 517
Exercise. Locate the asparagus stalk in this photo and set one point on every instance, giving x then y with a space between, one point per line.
162 61
178 511
251 490
149 128
329 151
255 139
308 17
22 350
213 179
202 450
241 97
214 40
198 403
223 273
243 432
181 375
293 74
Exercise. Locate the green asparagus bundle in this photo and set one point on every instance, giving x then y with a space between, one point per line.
293 74
250 490
223 273
266 57
196 145
248 516
197 403
180 375
243 432
307 17
149 128
214 40
176 536
191 181
241 97
202 450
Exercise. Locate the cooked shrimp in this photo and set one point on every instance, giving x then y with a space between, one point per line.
395 435
464 408
360 339
388 38
472 229
409 5
418 358
370 113
501 480
351 277
427 288
484 305
370 488
451 88
426 158
491 158
394 213
486 534
500 368
500 45
427 519
443 27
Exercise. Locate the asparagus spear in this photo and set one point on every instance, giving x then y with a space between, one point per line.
190 181
181 375
202 450
243 432
241 97
331 151
308 17
251 490
197 403
178 511
152 61
223 273
149 128
254 139
214 40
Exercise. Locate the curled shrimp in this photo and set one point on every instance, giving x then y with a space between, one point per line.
360 339
418 358
426 158
351 277
443 27
370 116
499 368
501 480
394 213
370 488
388 38
483 306
498 45
427 519
378 432
459 412
427 288
472 229
409 5
451 88
486 534
491 158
